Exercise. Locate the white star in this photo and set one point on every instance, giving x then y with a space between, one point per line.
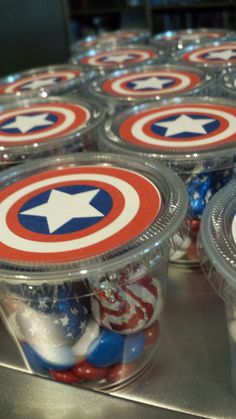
63 207
65 320
37 84
82 325
74 311
42 304
151 83
119 58
184 123
225 54
25 123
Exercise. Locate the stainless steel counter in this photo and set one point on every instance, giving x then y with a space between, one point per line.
190 378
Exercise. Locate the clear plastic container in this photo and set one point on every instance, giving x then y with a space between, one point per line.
39 127
196 137
217 254
227 83
216 56
43 81
130 87
108 39
105 60
177 40
85 241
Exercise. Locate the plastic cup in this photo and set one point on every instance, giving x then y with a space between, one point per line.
216 56
227 83
110 39
39 127
125 88
84 259
217 255
104 60
193 136
43 81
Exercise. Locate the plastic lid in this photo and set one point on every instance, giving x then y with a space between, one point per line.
217 55
185 133
117 57
32 126
189 36
149 82
217 247
83 214
44 81
119 37
227 81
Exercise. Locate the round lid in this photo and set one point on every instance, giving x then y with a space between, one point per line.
118 57
119 37
190 36
216 55
43 81
227 80
218 240
84 213
150 82
185 133
33 125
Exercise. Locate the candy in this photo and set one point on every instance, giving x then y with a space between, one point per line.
58 358
151 335
68 377
106 350
120 372
87 372
34 360
80 348
128 307
133 348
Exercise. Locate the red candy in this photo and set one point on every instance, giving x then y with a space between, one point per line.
151 335
87 372
68 376
120 372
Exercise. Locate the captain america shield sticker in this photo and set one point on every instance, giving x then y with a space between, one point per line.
151 83
119 57
75 213
181 127
38 81
221 54
41 122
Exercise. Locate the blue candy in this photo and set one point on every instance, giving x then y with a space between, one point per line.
106 350
133 348
34 360
49 357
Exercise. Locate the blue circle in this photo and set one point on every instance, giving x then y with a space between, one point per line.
50 117
161 131
38 224
133 348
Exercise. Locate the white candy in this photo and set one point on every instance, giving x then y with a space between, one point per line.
56 357
80 348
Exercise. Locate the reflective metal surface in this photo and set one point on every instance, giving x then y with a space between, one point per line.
191 376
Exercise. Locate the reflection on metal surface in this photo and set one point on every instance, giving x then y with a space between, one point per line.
191 374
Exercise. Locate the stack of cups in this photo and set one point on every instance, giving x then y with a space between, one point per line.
85 243
193 136
217 255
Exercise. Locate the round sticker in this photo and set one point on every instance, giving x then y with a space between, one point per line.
181 127
109 38
151 83
74 213
38 81
220 54
191 36
40 123
119 57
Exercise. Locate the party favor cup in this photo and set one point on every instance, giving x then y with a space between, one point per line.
84 251
105 60
196 137
43 81
39 127
109 39
227 83
217 254
177 40
130 87
216 56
